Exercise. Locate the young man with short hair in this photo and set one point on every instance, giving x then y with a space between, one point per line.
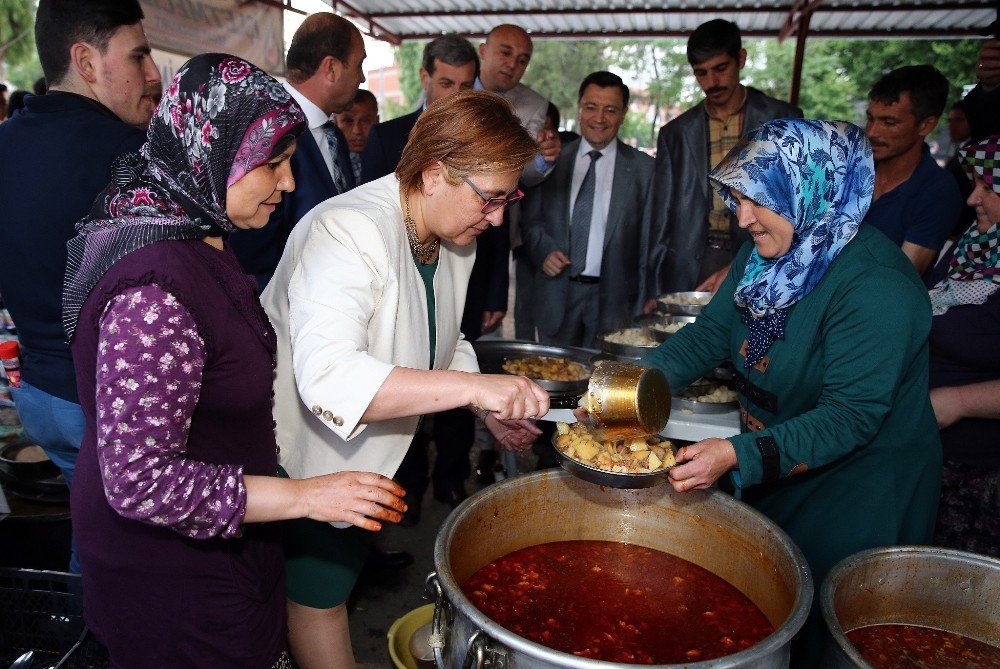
695 234
916 203
55 158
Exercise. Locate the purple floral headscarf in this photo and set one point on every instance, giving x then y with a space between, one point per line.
221 118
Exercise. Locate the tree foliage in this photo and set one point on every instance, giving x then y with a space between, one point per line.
18 59
836 77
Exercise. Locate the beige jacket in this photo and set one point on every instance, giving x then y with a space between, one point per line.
348 305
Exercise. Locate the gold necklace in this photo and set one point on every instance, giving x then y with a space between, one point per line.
423 254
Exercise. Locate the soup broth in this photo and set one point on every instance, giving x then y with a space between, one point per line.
616 602
908 646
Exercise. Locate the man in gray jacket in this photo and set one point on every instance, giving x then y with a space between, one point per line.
695 235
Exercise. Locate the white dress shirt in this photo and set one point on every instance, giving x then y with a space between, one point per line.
316 117
604 174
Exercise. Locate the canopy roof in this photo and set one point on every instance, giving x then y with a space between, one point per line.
398 20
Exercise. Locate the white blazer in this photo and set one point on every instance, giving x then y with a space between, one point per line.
348 305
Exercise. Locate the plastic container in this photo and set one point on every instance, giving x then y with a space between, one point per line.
10 361
42 611
401 633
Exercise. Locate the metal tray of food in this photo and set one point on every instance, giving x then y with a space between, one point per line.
669 325
687 400
494 353
612 479
685 304
629 350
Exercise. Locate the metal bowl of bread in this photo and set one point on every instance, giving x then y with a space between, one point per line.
632 343
707 397
687 303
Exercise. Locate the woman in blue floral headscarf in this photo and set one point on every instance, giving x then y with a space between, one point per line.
826 322
176 478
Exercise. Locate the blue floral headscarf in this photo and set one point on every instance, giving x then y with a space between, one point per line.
220 118
819 175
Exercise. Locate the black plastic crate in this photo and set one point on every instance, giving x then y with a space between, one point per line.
42 611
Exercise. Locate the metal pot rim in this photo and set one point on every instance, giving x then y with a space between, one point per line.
852 562
782 634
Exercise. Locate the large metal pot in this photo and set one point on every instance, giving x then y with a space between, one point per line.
707 528
913 585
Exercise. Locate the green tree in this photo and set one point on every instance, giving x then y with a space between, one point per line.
409 57
558 66
18 59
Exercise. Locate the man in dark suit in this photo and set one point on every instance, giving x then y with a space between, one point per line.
324 70
696 236
449 65
586 231
356 122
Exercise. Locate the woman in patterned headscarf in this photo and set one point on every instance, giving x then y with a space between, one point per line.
173 353
965 365
826 322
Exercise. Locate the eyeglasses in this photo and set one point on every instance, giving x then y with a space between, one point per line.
491 204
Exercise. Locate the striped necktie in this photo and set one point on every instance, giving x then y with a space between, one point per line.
583 210
339 181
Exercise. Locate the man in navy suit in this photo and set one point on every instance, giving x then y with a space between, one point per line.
324 70
450 64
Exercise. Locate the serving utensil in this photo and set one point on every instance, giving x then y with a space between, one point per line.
24 661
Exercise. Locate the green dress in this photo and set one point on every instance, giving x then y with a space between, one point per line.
839 444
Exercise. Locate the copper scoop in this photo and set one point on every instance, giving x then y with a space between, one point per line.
626 400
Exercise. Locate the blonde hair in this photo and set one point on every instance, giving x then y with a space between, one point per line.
470 132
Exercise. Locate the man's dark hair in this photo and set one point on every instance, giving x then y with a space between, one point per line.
320 35
552 114
15 102
605 80
365 95
59 24
451 50
926 86
959 105
713 38
40 87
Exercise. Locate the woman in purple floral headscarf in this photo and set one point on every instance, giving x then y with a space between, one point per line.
176 475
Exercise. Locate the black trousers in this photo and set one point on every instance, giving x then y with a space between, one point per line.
453 433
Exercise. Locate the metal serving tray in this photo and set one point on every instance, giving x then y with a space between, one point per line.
668 304
628 352
492 354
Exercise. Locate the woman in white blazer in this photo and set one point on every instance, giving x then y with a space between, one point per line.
367 301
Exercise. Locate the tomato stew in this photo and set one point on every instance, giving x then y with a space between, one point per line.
616 602
909 646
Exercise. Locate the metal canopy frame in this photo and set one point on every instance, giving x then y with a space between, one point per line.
395 21
398 20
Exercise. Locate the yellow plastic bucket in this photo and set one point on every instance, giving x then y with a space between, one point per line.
401 631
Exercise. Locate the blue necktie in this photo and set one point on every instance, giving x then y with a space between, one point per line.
583 210
339 181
